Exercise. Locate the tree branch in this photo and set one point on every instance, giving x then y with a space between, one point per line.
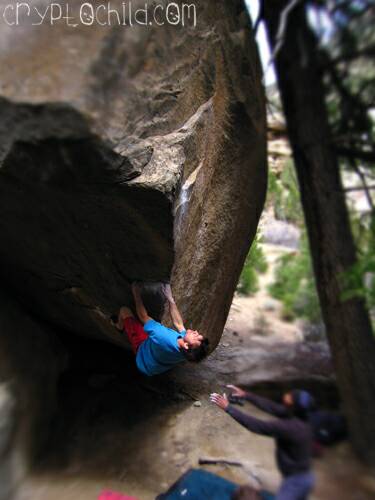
358 188
362 177
356 153
259 18
280 35
219 461
368 51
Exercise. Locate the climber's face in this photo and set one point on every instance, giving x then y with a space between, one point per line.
288 399
193 338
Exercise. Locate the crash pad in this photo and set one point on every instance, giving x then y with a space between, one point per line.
196 483
113 495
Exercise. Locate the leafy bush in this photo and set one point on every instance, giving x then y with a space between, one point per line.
360 280
294 285
255 264
283 194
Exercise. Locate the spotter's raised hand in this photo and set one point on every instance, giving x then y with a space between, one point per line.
220 400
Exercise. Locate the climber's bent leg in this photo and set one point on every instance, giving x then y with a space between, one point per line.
135 332
125 312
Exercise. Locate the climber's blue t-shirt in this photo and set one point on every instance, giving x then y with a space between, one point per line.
160 352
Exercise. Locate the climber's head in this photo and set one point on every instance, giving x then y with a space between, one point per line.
300 403
197 346
193 338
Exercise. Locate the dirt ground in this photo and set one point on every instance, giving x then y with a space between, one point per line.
139 437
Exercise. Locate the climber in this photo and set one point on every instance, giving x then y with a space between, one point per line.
291 430
158 348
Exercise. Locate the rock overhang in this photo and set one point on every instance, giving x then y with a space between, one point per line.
137 154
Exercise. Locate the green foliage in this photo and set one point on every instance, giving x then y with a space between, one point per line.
283 194
348 70
346 54
255 264
347 57
360 280
274 188
294 285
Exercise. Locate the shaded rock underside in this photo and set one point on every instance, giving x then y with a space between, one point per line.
126 151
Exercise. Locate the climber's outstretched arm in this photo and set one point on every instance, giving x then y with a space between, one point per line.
173 309
176 317
141 310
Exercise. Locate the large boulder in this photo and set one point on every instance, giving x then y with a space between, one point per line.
129 153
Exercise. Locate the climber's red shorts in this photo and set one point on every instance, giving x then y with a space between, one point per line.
135 332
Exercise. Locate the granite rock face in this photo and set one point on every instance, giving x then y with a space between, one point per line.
129 153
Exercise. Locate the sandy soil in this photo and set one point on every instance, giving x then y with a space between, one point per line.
138 437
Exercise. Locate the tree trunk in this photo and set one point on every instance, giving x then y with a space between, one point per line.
331 241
